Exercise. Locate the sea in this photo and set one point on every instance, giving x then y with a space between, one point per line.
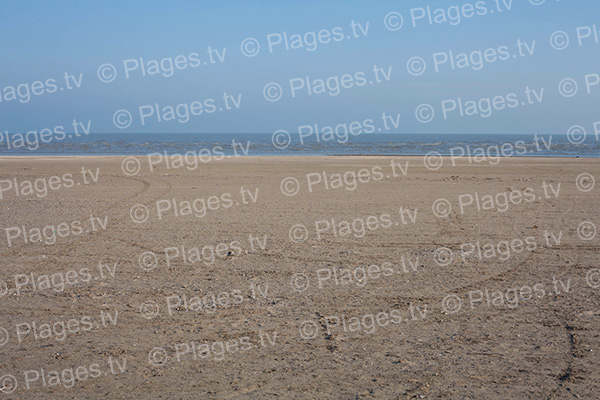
284 144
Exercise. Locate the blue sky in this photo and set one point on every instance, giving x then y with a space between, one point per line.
44 39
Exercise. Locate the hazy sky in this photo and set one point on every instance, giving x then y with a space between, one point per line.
43 40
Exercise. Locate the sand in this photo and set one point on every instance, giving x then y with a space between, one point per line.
339 291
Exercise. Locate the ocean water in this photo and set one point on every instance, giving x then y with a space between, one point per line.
262 144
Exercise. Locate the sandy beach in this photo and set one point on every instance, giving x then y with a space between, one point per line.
299 277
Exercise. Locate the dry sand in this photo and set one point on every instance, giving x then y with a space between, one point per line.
547 346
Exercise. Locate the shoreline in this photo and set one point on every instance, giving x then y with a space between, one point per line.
299 155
